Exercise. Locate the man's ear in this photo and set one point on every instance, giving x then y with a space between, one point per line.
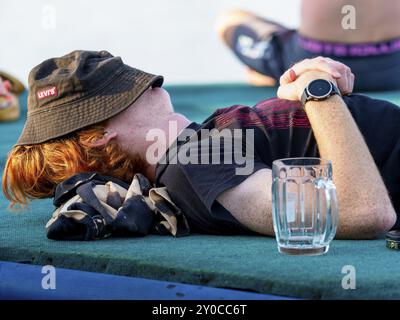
107 137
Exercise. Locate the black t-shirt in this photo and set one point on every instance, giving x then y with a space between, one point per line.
280 129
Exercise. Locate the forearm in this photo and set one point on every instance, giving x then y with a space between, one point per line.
361 190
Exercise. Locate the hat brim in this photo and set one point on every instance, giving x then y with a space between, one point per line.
116 96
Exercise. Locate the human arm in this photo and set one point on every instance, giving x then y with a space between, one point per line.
250 202
365 207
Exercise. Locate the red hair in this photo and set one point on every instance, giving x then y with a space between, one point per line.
33 171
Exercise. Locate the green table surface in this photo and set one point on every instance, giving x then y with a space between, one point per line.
240 262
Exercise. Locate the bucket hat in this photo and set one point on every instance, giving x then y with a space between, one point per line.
80 89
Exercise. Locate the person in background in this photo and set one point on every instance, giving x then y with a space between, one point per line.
363 34
10 88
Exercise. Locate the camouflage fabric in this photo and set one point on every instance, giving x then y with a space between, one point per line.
92 206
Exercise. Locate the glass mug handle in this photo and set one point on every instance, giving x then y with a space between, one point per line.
275 214
332 214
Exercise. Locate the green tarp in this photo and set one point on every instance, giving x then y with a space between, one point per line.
240 262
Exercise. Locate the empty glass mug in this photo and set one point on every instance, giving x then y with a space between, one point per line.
304 205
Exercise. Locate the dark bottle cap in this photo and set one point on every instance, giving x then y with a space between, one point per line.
393 239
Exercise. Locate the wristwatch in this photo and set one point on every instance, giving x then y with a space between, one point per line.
319 89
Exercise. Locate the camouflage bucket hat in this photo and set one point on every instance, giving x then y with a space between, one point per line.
77 90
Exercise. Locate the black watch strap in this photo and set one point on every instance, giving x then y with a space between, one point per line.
307 97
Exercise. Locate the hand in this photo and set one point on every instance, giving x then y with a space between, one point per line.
295 80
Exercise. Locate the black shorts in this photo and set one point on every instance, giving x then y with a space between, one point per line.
375 65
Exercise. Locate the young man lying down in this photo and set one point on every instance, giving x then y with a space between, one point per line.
87 111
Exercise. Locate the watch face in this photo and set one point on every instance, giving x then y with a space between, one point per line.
319 88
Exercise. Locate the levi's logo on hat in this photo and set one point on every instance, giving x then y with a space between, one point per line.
48 92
